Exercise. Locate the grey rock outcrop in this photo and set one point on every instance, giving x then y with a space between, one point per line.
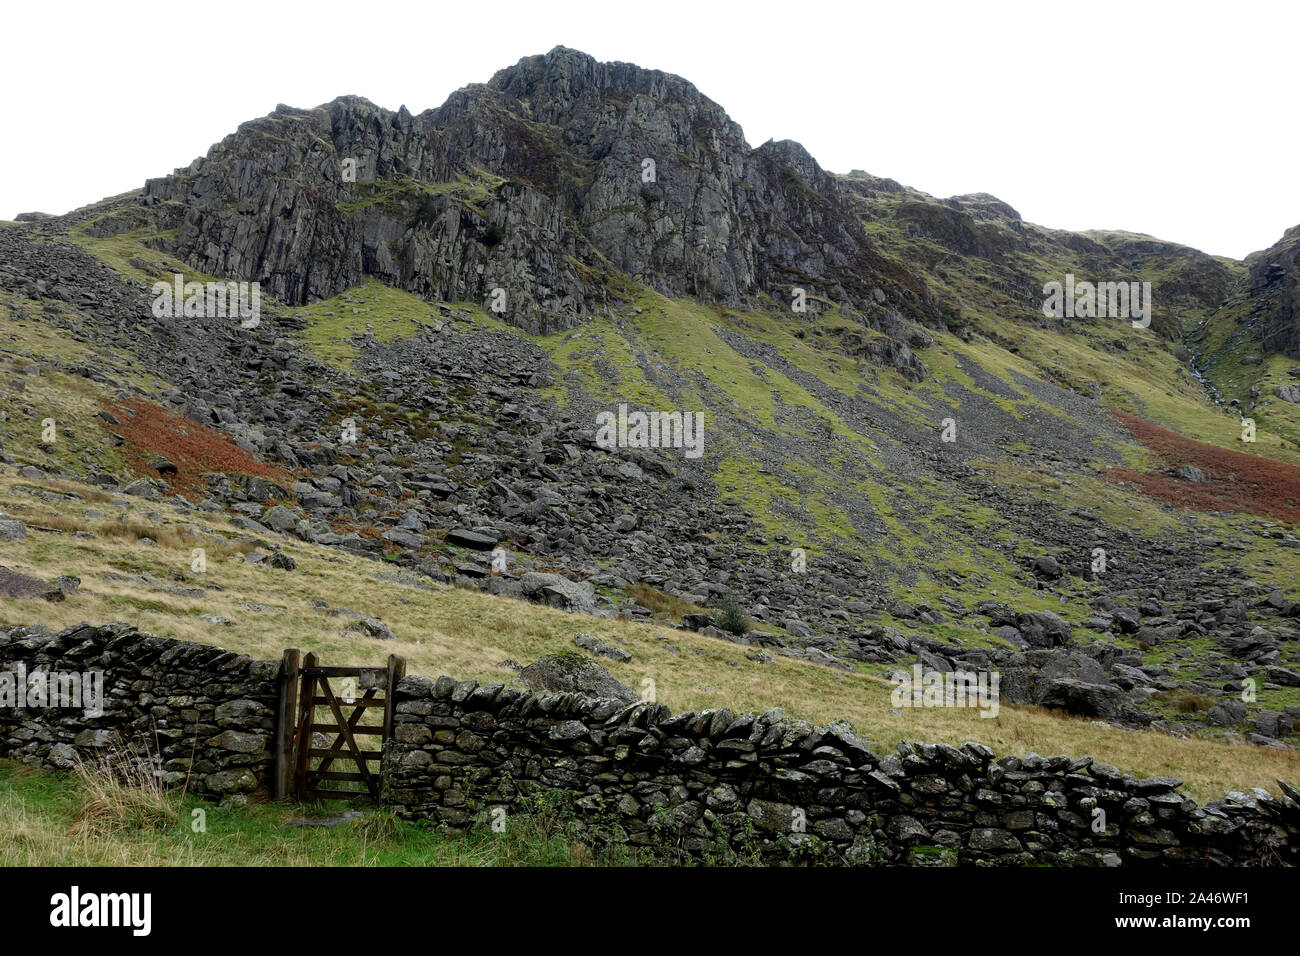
534 183
574 674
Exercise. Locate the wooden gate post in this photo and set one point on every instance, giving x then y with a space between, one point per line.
396 671
286 725
302 729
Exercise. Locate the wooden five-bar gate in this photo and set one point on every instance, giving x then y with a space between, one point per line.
310 704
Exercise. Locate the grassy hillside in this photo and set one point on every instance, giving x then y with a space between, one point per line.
988 269
254 609
822 443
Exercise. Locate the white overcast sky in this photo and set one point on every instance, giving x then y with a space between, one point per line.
1174 119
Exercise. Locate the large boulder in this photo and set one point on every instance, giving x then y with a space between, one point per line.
574 674
1127 620
1226 713
594 645
1280 675
478 540
1043 628
698 622
279 559
1063 678
279 518
143 488
20 586
1272 723
1011 636
998 614
1081 697
162 465
558 591
371 627
1062 663
404 538
1047 567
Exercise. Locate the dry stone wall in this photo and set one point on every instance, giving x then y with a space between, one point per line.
641 775
209 714
700 786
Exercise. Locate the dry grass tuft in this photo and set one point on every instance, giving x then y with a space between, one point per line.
134 531
61 523
124 791
663 605
85 492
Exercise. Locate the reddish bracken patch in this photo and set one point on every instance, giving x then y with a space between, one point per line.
150 430
1233 481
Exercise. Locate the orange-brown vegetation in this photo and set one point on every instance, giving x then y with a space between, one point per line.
149 429
1234 481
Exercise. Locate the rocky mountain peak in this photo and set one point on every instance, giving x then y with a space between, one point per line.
555 182
986 206
565 75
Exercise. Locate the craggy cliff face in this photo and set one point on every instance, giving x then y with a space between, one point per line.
535 183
